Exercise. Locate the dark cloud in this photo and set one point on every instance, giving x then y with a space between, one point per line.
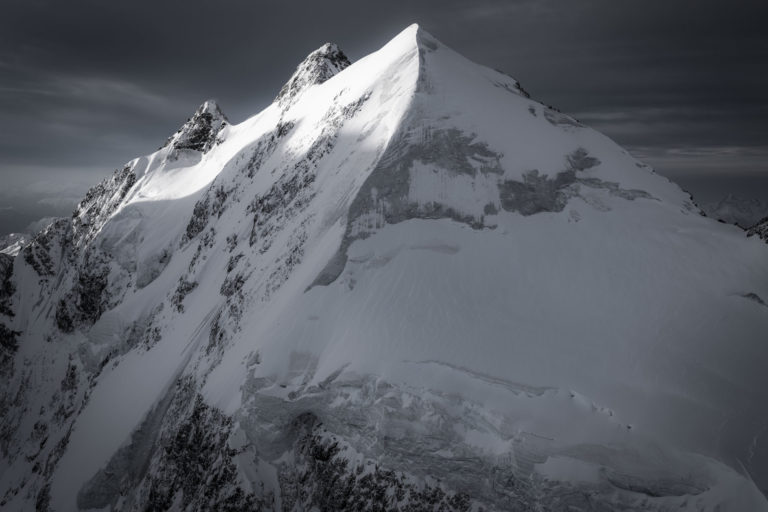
87 85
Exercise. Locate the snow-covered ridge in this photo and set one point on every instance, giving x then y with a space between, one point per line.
12 243
405 283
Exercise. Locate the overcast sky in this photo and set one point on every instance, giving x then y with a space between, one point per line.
87 85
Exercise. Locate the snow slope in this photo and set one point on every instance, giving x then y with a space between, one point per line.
403 284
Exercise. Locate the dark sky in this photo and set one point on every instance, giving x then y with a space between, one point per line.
87 85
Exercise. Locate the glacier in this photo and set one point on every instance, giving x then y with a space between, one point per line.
404 285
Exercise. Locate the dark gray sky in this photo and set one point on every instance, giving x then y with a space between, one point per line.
87 85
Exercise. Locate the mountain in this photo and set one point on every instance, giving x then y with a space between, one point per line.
404 285
12 243
737 210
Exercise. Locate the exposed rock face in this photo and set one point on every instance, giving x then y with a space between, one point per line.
760 230
7 288
335 483
319 66
409 288
180 453
200 131
8 346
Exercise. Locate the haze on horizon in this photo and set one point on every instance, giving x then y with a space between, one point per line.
86 86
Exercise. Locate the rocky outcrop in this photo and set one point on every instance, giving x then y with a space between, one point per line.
200 131
760 230
319 66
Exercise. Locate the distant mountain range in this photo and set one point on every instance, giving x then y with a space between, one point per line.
12 243
742 211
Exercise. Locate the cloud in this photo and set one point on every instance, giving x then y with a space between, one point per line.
496 10
39 224
110 91
61 202
93 89
736 161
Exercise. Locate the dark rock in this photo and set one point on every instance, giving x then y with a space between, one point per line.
760 230
319 66
182 290
200 131
7 288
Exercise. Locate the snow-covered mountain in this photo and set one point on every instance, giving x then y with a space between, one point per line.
404 285
742 211
12 243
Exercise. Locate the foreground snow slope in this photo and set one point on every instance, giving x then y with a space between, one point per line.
403 284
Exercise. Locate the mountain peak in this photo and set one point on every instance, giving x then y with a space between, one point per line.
415 34
210 107
423 38
200 130
316 68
